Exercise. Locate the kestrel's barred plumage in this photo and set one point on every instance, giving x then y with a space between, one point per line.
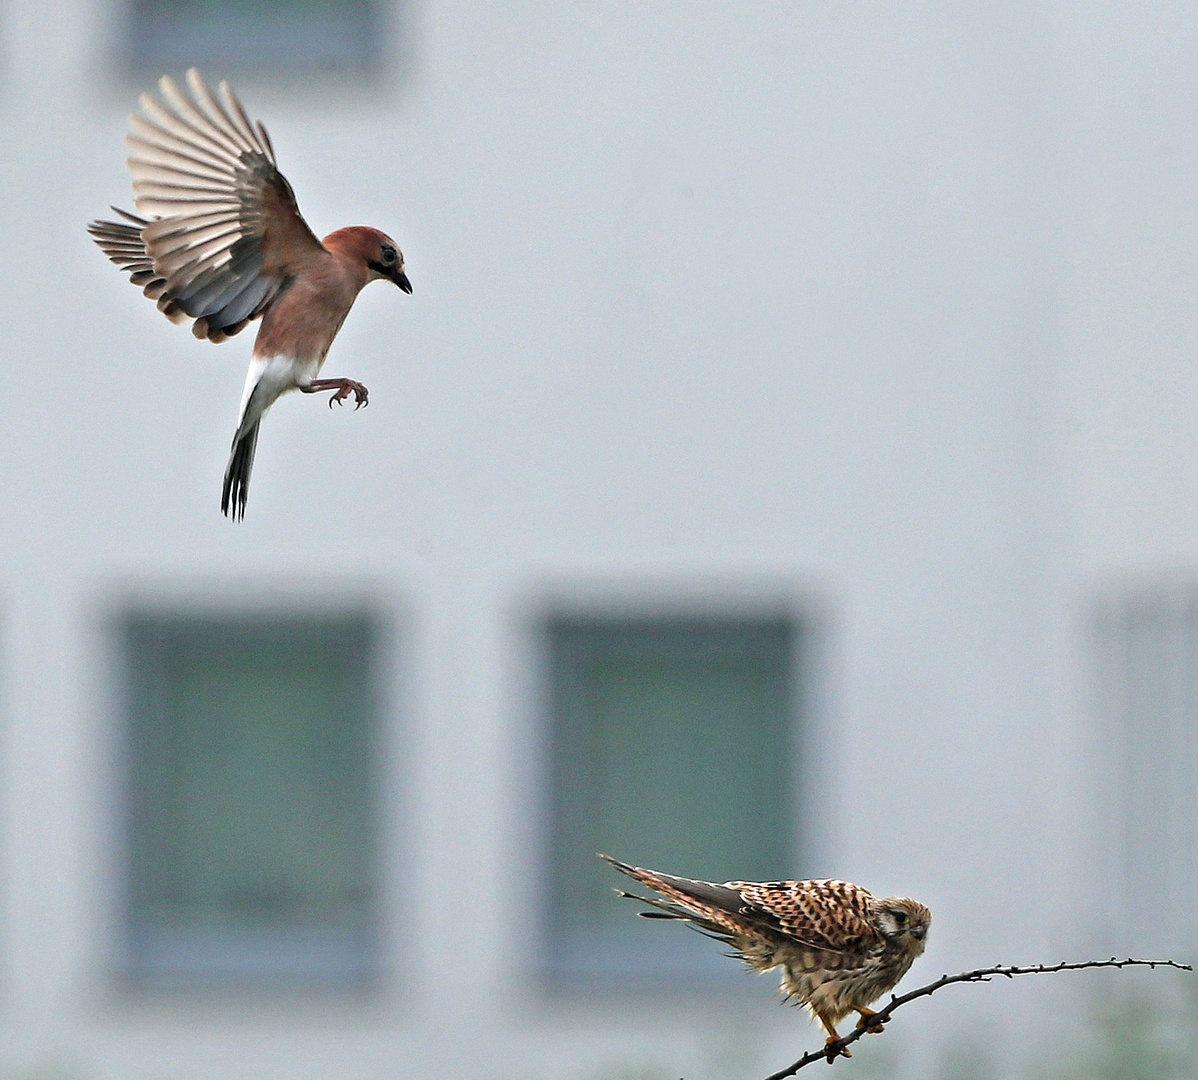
838 946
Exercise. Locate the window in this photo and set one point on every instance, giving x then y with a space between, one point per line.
672 746
1146 706
250 831
255 35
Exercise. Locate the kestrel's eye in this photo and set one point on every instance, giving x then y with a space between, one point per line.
900 917
388 255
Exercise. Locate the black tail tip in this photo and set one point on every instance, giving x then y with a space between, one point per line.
232 505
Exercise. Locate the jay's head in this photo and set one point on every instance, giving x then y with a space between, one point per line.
375 250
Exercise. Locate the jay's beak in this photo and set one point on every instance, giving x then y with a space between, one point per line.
401 279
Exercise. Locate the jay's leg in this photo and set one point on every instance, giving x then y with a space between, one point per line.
344 388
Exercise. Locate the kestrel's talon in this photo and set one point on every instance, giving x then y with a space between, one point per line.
833 1050
866 1016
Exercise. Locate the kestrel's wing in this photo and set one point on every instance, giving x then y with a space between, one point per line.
720 909
828 915
222 235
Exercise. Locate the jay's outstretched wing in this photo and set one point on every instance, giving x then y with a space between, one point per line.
222 235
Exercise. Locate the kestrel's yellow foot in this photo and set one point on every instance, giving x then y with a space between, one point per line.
833 1051
830 1048
864 1022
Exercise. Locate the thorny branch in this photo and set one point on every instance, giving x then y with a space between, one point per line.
832 1050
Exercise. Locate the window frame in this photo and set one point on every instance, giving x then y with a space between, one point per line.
147 957
602 961
1143 703
350 44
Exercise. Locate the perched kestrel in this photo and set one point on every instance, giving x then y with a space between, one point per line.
838 946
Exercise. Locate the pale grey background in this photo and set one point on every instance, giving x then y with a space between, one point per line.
886 314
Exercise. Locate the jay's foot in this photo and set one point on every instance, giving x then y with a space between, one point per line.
343 388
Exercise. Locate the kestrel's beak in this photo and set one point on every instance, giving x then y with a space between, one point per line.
918 933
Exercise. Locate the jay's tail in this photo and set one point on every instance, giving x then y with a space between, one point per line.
237 474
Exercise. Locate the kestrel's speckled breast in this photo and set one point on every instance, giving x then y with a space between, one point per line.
835 984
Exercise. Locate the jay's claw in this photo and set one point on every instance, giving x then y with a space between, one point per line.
343 388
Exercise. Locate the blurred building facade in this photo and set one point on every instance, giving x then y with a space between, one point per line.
786 465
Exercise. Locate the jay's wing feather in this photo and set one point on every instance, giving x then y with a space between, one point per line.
123 244
222 235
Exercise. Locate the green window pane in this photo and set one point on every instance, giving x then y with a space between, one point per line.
250 827
255 35
672 747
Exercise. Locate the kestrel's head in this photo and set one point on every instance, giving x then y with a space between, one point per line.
901 921
376 250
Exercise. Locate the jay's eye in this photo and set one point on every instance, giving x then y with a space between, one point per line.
387 256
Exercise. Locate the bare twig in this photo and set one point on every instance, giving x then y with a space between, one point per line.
832 1050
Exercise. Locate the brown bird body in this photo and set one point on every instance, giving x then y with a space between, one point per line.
223 244
315 305
839 947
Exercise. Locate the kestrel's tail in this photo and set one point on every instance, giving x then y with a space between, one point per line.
709 906
237 474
